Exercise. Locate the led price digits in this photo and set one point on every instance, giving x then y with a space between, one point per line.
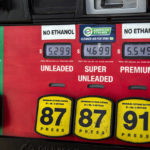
58 51
98 50
136 50
52 50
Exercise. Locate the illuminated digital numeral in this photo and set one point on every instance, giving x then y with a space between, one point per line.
133 123
136 50
93 119
97 50
54 116
57 50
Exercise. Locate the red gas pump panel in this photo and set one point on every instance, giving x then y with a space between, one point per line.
65 63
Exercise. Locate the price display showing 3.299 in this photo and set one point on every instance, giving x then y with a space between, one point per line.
57 50
133 120
136 50
97 51
93 119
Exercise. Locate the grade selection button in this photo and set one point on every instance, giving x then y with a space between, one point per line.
93 119
54 115
133 120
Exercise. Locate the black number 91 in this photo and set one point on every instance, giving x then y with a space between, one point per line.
132 123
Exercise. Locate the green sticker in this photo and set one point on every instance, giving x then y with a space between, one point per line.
101 31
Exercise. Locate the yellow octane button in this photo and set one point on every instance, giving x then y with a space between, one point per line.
93 119
133 120
54 115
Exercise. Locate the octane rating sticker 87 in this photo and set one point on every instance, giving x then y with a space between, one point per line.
93 119
133 120
54 115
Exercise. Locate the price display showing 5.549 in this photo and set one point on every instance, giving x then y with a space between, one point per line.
93 119
54 115
133 120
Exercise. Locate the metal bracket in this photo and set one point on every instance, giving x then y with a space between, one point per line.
115 6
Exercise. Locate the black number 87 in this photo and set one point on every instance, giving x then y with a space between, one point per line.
134 120
49 115
86 114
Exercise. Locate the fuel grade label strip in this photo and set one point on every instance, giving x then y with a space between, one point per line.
133 123
54 115
93 119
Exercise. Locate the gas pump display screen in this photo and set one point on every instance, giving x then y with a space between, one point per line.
96 51
61 50
136 50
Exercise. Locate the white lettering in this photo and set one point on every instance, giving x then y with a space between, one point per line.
131 69
87 78
56 68
95 69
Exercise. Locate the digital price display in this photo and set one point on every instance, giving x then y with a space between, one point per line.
93 119
133 120
97 51
54 115
136 50
55 50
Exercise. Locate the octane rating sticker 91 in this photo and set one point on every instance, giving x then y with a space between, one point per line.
93 119
133 120
54 116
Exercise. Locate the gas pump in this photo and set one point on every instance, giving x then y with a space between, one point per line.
75 71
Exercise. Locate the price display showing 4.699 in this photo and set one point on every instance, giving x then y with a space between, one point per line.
93 119
133 120
54 116
97 51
